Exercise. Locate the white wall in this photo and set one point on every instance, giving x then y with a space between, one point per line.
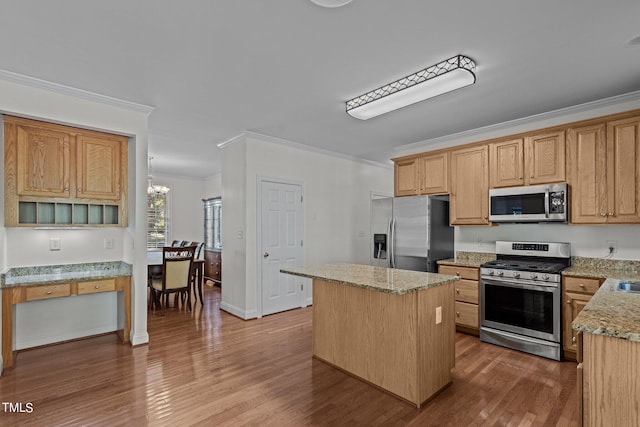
337 194
213 186
586 241
185 206
66 318
234 208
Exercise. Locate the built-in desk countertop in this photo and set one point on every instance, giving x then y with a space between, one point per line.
24 284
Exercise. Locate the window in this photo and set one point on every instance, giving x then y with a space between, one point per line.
157 221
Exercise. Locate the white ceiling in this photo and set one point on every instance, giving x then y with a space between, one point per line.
284 68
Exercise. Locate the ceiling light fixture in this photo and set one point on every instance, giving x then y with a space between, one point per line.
435 80
154 189
330 3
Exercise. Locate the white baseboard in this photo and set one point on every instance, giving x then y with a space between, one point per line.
139 339
238 312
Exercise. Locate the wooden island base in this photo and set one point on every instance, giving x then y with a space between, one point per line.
389 340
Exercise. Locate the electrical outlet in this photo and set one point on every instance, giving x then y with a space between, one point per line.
612 244
108 242
438 315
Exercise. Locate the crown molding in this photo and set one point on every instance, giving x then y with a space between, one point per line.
559 115
74 92
292 144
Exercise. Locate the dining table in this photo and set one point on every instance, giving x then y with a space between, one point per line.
154 262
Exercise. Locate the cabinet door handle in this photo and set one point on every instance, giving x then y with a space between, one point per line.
568 301
458 313
603 214
66 188
457 291
49 292
610 214
79 189
581 285
573 339
97 286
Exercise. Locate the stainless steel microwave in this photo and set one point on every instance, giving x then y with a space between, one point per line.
531 203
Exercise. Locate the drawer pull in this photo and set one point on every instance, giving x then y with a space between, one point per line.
457 291
458 313
97 286
457 273
581 285
49 292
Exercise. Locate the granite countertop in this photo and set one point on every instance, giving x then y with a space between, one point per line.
603 268
611 313
380 279
52 274
468 259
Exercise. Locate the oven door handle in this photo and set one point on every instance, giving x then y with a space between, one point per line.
546 203
534 287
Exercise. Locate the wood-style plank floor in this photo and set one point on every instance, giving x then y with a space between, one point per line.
209 368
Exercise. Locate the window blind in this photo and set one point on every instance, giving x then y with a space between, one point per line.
157 221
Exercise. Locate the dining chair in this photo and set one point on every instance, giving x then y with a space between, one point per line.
177 243
177 272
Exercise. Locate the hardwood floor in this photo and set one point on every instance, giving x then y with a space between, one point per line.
208 368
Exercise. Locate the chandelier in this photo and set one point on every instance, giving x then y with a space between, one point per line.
154 189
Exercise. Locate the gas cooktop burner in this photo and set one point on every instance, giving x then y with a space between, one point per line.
546 267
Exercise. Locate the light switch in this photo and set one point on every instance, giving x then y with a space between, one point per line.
55 244
438 315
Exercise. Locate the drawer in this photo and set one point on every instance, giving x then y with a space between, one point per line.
50 291
581 284
470 273
466 314
108 285
466 290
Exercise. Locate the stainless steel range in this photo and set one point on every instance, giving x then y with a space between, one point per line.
521 297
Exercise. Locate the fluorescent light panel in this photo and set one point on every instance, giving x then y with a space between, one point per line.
443 77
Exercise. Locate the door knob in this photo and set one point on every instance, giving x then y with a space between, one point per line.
266 254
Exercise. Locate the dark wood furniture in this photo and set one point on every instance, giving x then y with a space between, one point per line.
213 266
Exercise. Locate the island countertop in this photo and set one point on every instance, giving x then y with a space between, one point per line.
389 280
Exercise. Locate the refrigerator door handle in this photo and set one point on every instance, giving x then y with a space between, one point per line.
389 244
393 243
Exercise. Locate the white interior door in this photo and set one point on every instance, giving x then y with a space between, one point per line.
282 228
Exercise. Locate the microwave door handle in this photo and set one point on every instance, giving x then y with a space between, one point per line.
546 203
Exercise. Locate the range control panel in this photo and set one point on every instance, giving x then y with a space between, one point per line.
538 247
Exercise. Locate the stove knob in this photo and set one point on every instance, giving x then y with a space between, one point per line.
534 276
500 273
491 272
516 275
545 277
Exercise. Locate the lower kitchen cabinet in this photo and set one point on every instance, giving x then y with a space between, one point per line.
213 266
577 291
466 296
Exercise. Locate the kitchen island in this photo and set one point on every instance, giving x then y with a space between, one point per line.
392 328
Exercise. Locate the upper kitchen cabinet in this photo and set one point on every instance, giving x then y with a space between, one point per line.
535 159
544 160
470 186
59 175
507 163
604 172
98 166
426 174
406 177
433 172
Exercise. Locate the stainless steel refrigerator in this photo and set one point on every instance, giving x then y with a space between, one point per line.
411 233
